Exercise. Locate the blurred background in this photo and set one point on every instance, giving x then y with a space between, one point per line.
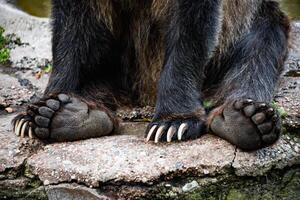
41 8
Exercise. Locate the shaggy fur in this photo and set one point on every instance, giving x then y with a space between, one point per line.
173 54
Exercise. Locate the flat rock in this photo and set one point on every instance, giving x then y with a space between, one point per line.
34 32
11 156
26 59
286 152
288 95
11 92
71 192
129 159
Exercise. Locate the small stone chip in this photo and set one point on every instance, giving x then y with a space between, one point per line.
9 110
190 186
296 149
46 182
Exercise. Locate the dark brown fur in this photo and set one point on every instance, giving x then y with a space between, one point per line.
175 54
148 25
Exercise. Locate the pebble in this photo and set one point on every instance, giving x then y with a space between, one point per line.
46 182
190 186
296 149
9 110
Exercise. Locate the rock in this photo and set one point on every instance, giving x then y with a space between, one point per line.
34 84
190 186
21 188
31 55
288 94
9 110
12 93
10 155
33 32
13 151
73 192
277 156
136 114
129 159
136 128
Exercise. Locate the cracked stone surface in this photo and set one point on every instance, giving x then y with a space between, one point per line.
11 92
129 159
13 152
288 94
10 155
286 152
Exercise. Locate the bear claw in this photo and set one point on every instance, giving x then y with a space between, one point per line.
169 131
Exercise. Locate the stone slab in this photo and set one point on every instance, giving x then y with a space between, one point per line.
285 153
11 156
129 159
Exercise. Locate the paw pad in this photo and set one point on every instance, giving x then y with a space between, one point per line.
247 124
37 120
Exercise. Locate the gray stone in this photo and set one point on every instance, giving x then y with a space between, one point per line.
288 94
32 30
10 155
277 156
73 192
11 92
129 159
136 128
190 186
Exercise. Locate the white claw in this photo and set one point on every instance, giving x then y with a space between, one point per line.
23 129
30 133
15 126
170 133
159 134
19 126
150 133
182 128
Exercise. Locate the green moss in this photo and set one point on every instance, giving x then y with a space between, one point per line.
48 68
4 51
28 194
276 185
208 104
4 55
235 194
282 113
2 38
282 184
